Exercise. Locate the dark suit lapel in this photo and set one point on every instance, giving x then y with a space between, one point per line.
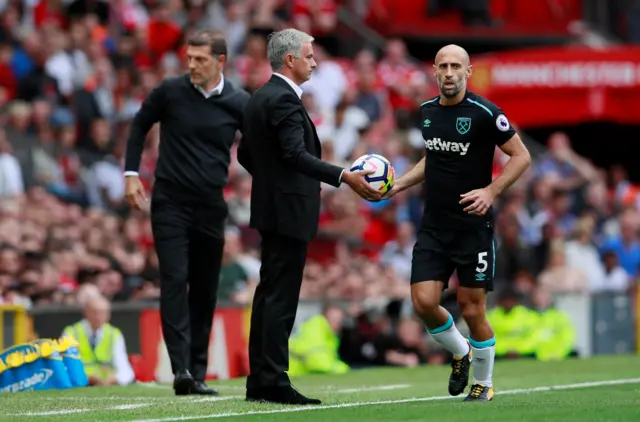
277 80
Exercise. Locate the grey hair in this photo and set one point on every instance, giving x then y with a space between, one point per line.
287 41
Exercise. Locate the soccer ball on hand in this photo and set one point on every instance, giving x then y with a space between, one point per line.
384 175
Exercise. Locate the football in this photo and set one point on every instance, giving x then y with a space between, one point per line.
383 176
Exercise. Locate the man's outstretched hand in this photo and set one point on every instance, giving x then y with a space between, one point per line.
397 187
356 181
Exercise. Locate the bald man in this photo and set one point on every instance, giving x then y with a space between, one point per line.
101 345
460 131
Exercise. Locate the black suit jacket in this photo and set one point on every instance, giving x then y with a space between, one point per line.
281 150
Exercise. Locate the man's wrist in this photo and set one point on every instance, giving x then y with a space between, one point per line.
494 189
340 178
400 185
131 173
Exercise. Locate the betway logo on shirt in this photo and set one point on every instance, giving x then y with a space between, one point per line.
438 144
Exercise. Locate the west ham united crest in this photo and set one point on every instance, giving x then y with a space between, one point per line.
463 124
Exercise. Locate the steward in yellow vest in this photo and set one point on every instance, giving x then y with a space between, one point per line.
97 358
313 349
515 326
556 336
97 340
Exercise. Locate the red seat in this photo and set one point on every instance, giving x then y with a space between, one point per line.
518 16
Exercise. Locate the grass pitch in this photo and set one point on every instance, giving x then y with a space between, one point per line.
598 389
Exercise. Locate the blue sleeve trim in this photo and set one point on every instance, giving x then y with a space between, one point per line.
481 106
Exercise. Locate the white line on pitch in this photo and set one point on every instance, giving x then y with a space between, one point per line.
383 402
152 385
128 406
208 399
52 412
376 388
168 386
97 398
330 388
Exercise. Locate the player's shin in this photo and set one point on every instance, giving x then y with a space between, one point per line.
484 352
426 299
449 337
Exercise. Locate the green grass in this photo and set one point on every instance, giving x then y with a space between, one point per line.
416 394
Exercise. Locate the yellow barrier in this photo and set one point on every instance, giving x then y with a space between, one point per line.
14 325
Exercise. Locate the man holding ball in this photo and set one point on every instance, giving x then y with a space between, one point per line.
460 131
281 150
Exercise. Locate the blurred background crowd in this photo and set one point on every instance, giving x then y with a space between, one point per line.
73 74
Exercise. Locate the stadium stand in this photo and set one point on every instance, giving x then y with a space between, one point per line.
72 77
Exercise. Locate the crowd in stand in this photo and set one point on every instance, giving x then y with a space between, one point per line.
71 80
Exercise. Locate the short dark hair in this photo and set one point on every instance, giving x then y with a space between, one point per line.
212 38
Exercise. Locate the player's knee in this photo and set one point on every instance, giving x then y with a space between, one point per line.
472 312
472 306
425 298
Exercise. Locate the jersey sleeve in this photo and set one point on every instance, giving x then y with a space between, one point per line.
500 128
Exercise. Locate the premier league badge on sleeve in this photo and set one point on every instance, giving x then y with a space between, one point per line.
502 123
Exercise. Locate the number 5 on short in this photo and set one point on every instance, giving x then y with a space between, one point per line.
482 267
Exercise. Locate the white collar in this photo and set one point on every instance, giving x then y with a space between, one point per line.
90 330
215 91
293 85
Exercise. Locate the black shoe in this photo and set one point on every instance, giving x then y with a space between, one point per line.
254 394
183 383
281 395
459 378
480 393
202 389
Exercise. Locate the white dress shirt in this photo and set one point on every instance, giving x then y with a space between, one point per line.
299 91
292 84
207 94
215 91
124 371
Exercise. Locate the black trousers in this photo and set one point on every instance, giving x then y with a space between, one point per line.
189 241
275 304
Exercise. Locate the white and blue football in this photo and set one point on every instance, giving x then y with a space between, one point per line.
383 176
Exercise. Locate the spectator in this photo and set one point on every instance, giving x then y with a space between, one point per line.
626 244
11 182
397 253
616 279
101 346
235 283
582 253
558 277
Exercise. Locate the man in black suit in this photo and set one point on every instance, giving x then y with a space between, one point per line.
199 114
281 150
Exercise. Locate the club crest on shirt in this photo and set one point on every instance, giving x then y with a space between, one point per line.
463 125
